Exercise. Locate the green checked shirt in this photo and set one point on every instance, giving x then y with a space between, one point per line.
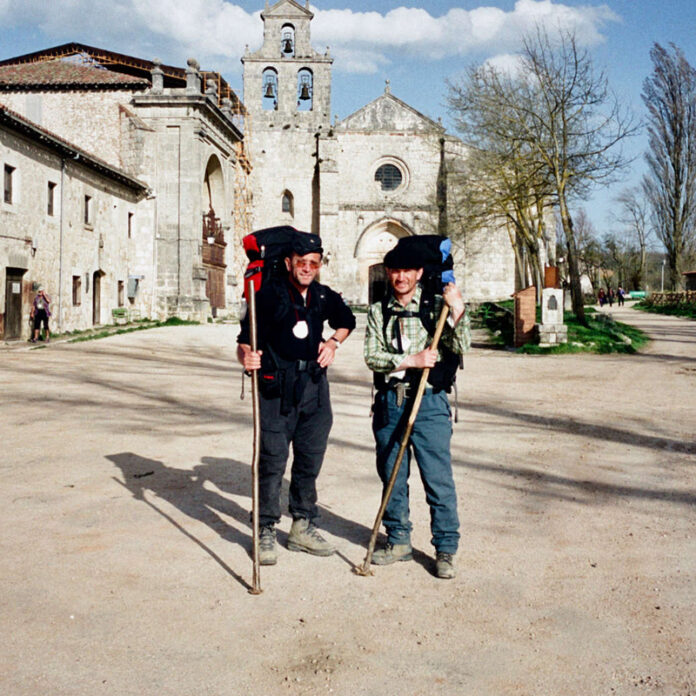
383 357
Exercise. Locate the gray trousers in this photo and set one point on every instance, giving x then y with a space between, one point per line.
307 428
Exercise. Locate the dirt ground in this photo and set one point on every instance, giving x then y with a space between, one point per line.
124 504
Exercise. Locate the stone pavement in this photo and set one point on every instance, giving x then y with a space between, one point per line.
124 508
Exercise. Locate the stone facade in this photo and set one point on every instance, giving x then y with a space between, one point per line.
361 183
83 260
183 255
90 120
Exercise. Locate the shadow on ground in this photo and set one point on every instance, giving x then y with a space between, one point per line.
185 490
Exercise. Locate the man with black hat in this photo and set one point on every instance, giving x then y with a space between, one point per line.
294 404
397 349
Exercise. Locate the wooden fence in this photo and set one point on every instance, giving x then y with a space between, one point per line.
662 299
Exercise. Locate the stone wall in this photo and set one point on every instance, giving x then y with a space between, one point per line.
51 249
88 119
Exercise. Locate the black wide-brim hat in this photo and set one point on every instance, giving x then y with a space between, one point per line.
404 256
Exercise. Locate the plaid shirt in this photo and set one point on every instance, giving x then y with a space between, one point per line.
381 357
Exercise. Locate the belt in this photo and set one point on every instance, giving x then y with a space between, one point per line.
403 390
305 365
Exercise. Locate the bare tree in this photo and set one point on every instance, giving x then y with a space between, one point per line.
559 119
494 191
670 184
590 258
633 215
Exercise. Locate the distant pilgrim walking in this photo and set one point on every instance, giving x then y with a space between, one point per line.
40 313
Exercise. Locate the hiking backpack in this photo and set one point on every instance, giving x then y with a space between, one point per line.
266 250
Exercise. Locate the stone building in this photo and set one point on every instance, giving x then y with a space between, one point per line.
176 132
66 223
361 182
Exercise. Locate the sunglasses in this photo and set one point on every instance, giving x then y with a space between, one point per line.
303 263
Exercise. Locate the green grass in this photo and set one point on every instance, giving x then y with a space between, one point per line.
143 325
683 309
601 335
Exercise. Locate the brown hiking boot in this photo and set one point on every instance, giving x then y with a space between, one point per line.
267 545
444 565
304 536
391 553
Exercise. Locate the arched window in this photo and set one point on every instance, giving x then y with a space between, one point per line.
287 41
287 203
269 86
305 90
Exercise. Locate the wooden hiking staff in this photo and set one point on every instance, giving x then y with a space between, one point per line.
256 582
364 569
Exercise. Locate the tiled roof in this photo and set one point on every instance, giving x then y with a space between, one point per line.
19 123
64 74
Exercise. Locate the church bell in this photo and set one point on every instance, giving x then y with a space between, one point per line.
287 46
269 90
304 92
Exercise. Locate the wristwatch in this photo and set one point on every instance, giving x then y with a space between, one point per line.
336 341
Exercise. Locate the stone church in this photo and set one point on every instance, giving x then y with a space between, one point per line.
361 182
128 184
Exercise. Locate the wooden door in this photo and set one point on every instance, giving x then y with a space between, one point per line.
13 303
96 298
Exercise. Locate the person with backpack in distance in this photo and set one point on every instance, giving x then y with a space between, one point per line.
399 331
292 359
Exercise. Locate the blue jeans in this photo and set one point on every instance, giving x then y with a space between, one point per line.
430 442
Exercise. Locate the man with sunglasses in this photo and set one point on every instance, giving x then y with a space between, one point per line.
294 403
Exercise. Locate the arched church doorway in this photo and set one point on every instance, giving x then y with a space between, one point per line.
213 246
375 241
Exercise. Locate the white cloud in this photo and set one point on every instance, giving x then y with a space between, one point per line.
413 31
216 31
510 63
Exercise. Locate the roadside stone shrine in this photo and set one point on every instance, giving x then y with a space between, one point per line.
552 331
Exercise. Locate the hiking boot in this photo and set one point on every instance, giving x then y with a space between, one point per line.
444 565
304 536
267 545
391 553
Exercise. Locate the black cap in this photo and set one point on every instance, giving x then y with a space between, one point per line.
306 243
403 256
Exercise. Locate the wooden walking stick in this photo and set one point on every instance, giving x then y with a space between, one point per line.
256 582
364 569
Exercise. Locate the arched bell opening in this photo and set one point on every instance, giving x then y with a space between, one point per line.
269 94
305 90
287 41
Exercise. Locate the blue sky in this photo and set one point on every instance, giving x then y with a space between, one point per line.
416 45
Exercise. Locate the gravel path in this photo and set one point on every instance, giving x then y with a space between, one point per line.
124 509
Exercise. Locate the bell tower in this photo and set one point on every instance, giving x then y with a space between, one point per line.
287 94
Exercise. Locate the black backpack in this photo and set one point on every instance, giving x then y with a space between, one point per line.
266 250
